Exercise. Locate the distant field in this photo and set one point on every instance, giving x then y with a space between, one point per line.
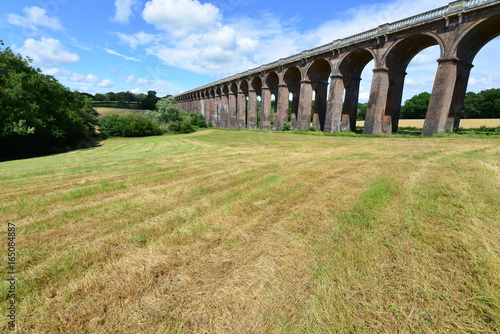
257 232
104 111
464 123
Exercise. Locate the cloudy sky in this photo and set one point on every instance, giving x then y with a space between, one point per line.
171 46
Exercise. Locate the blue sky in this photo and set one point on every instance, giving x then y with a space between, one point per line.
171 46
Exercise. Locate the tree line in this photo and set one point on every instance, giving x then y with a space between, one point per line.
485 104
125 99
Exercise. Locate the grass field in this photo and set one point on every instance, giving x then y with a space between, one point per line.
105 111
257 232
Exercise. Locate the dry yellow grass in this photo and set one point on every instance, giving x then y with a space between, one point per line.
105 111
464 123
258 232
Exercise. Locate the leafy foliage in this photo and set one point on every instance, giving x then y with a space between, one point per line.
37 114
149 101
485 104
174 118
362 107
129 125
126 100
416 107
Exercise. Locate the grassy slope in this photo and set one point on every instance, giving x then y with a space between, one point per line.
255 232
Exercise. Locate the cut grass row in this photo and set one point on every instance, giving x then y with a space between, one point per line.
256 232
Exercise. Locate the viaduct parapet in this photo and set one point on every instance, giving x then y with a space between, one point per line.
333 72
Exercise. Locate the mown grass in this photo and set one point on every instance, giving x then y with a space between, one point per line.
257 232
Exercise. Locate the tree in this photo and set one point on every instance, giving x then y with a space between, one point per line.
485 104
37 113
129 125
150 101
362 107
99 97
416 107
169 114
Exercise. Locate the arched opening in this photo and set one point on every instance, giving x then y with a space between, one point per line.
482 40
347 87
269 94
452 77
418 84
218 107
319 75
483 88
397 61
202 103
287 94
224 115
233 95
242 105
254 104
364 92
210 114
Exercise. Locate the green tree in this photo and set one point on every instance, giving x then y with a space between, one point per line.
150 101
485 104
416 107
99 97
37 113
362 107
129 125
170 115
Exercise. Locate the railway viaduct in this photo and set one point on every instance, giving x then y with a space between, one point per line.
333 72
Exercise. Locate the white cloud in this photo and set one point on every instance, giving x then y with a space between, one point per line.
113 52
47 52
123 10
106 83
139 38
230 48
137 81
87 81
51 71
35 18
181 17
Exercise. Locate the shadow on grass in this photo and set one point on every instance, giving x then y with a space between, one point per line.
18 150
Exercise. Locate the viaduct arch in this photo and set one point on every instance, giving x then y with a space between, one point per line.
331 74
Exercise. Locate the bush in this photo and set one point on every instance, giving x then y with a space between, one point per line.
129 125
183 126
198 120
287 126
176 120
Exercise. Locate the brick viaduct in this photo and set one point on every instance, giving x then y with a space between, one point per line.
333 72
